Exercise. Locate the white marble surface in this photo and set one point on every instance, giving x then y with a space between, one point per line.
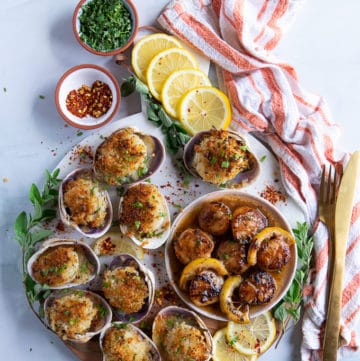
37 46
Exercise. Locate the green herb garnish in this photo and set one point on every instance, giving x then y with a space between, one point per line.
28 230
290 306
262 158
138 204
137 224
41 96
105 25
225 164
175 135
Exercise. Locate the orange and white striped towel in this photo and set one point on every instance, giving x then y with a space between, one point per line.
268 100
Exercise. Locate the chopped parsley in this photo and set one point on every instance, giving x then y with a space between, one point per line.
138 204
137 224
225 164
105 25
42 96
262 158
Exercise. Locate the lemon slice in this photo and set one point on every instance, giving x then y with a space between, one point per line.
204 108
179 83
252 338
223 351
113 243
164 64
146 48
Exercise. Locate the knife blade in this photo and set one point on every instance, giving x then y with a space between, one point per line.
343 212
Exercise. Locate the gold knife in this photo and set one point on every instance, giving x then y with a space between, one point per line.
343 211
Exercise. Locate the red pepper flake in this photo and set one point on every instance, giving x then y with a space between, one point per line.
92 101
273 195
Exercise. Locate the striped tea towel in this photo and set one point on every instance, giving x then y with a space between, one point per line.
268 100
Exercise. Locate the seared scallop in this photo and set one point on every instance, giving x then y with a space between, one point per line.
193 243
246 222
214 218
273 254
205 287
258 288
234 256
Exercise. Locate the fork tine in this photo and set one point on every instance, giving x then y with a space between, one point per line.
329 185
322 184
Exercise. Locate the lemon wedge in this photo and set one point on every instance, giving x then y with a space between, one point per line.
252 338
204 108
114 242
223 351
164 64
146 48
179 83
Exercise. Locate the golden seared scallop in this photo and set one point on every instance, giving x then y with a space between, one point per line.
214 218
84 201
193 243
72 315
234 256
204 288
246 222
120 157
219 157
258 288
125 289
127 343
143 211
56 266
271 249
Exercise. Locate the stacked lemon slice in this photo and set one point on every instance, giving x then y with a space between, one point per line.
173 77
244 342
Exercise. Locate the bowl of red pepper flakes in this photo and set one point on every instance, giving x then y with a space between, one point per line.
87 96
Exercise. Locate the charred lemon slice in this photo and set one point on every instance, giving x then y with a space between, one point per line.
237 313
198 265
274 236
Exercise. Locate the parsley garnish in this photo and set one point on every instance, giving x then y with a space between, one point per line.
262 158
225 164
105 25
137 224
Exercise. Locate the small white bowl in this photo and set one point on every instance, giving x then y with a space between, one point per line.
73 79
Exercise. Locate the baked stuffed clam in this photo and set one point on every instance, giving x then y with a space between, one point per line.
129 288
144 215
180 334
63 263
76 315
128 156
221 157
124 341
84 204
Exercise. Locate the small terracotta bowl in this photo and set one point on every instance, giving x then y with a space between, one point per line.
73 79
135 25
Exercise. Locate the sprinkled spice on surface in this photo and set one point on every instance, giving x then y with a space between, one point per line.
273 195
94 101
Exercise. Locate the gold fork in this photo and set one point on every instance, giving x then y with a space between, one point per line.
327 201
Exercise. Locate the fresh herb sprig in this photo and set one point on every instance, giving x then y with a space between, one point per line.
28 229
176 135
289 308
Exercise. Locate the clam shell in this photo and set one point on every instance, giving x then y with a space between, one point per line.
86 251
155 354
242 179
163 231
169 316
103 322
126 260
65 217
155 154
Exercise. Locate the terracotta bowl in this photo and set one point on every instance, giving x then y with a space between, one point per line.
73 79
135 25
